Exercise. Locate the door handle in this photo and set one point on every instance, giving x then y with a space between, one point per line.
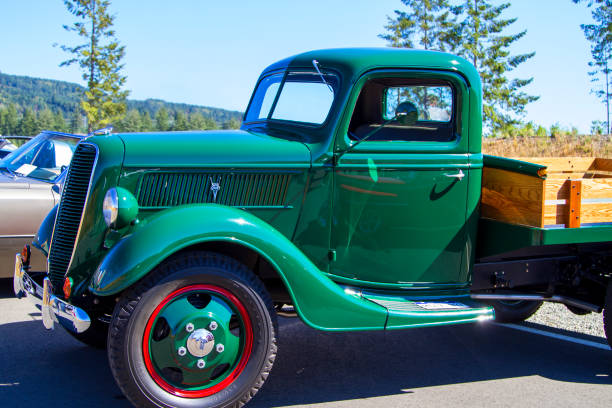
458 176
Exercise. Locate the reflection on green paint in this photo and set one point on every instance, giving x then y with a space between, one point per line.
372 170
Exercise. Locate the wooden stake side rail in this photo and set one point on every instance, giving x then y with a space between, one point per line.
574 191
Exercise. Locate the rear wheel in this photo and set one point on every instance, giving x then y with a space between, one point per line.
200 330
514 311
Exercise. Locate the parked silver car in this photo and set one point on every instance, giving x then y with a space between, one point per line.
9 144
27 176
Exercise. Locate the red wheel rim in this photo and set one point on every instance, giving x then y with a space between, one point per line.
246 352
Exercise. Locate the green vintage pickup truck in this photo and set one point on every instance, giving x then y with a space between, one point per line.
355 196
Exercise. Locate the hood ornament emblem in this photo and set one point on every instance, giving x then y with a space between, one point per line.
215 187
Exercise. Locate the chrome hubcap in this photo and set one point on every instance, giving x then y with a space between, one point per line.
200 343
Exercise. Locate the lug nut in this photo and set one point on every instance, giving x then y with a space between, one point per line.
189 327
201 364
182 351
220 348
213 326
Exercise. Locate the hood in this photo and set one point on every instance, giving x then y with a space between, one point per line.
215 148
18 182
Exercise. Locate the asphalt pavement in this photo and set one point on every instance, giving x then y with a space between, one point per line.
471 365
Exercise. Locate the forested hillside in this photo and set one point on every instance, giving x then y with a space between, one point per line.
28 105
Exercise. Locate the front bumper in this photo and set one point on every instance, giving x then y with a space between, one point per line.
53 309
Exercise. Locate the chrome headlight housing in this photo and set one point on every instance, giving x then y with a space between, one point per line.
110 207
120 207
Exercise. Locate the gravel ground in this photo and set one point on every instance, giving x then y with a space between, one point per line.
558 316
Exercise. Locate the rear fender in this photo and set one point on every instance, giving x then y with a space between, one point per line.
320 302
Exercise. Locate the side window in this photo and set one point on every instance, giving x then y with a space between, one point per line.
433 102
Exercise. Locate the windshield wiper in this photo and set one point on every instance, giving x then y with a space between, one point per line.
315 63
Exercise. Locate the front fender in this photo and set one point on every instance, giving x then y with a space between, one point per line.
42 240
320 302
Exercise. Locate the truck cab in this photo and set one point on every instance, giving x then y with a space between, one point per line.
350 198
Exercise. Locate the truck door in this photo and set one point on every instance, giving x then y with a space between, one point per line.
401 186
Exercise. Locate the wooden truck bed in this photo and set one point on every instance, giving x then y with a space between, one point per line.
547 192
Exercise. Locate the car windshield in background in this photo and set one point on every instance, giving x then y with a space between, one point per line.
303 97
42 158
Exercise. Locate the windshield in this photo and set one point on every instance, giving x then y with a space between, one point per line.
42 158
303 97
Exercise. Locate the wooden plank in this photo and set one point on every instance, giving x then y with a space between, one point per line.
558 189
574 204
563 164
587 175
589 213
597 188
603 164
512 197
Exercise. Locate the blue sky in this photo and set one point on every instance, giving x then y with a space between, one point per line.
211 53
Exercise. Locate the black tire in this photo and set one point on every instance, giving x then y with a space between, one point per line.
95 336
514 311
141 308
607 314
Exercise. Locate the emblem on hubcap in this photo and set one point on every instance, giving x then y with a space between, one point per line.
200 343
215 187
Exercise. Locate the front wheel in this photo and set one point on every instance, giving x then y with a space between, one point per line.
199 331
514 311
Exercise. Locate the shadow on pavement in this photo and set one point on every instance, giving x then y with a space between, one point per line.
315 367
39 368
6 288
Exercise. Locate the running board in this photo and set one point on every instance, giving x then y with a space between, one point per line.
404 312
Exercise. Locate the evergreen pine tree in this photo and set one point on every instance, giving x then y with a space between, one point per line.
481 39
45 120
599 35
197 121
12 120
59 123
2 120
180 121
76 122
28 126
146 123
162 120
231 124
130 123
210 124
426 24
99 58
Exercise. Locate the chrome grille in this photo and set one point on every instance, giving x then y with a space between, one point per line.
165 189
70 212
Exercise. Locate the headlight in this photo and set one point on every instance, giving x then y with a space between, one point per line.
110 207
119 207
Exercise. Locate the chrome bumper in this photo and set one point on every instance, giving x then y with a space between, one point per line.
53 309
